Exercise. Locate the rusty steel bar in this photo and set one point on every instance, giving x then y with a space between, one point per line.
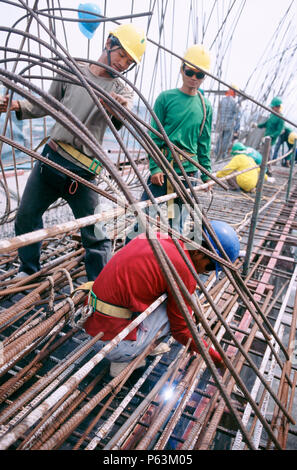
152 412
81 414
104 428
117 440
46 384
190 387
35 415
264 362
180 389
32 297
157 253
128 371
218 346
60 411
254 218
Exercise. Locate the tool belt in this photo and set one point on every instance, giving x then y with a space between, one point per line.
103 307
108 309
66 150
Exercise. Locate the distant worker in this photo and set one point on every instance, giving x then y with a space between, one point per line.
246 181
287 137
273 125
228 123
133 279
186 116
124 48
255 154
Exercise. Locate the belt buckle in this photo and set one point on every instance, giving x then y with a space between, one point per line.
96 163
92 300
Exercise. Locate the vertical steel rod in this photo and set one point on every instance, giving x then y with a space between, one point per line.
291 171
254 218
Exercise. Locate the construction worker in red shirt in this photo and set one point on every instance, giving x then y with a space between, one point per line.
133 279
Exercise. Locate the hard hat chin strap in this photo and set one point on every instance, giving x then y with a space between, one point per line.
112 74
114 46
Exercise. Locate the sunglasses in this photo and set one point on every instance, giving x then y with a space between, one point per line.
191 72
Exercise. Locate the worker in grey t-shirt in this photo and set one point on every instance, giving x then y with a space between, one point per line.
124 48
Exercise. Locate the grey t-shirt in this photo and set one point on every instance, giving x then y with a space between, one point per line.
77 99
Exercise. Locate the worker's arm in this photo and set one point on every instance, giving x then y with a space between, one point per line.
178 326
181 332
30 110
229 168
262 125
115 117
123 95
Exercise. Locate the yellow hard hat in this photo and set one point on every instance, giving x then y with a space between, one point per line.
292 137
199 56
132 39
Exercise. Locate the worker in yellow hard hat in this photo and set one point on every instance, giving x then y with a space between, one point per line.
228 123
127 38
287 138
124 48
186 116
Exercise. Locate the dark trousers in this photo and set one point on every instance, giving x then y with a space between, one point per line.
44 186
180 213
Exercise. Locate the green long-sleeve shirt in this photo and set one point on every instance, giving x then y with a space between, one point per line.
181 115
273 127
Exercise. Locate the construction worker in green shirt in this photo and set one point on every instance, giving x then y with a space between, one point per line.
186 116
273 125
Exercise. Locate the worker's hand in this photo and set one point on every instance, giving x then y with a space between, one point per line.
208 189
123 101
221 367
158 179
254 125
15 105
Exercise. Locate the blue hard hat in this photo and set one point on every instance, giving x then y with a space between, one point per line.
88 28
228 238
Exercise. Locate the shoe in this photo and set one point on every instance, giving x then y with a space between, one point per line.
237 390
21 275
160 349
117 367
270 179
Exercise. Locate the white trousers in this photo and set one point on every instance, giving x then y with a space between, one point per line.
127 350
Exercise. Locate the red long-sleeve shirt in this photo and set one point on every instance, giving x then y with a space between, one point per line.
133 279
